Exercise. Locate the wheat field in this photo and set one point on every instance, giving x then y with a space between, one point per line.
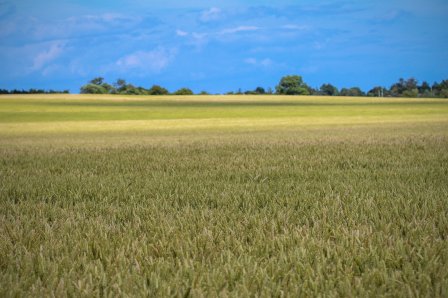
223 196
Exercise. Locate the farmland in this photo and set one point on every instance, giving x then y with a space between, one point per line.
223 195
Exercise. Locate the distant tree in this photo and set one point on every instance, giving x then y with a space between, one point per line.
406 88
292 85
119 85
398 88
93 89
378 91
259 90
441 89
183 91
328 89
410 93
313 91
411 84
97 81
411 88
157 90
130 89
354 91
203 93
344 92
424 89
33 91
109 88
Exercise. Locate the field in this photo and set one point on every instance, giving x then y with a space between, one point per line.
223 195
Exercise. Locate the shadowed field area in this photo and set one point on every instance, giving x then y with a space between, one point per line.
223 195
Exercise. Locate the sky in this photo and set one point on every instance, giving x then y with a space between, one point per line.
221 46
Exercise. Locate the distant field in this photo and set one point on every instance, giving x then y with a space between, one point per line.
223 195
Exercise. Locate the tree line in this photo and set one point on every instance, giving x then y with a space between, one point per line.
294 85
288 85
99 86
33 91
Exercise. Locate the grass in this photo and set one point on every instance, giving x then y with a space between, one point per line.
231 196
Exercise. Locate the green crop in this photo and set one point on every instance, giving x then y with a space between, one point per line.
223 195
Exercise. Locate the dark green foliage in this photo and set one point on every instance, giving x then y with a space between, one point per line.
33 91
93 89
354 91
98 86
97 81
288 85
183 91
328 89
157 90
377 91
424 89
259 90
292 85
441 89
404 88
109 88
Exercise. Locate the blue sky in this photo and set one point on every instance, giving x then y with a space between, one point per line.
220 46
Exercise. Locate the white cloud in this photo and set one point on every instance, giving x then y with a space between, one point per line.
239 29
82 25
263 62
211 14
181 33
294 27
155 60
266 62
199 40
47 56
252 61
110 19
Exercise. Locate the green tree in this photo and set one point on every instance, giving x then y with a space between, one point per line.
183 91
93 89
424 89
328 89
292 85
157 90
398 88
130 89
406 88
378 91
109 88
120 85
97 81
354 91
441 89
411 84
410 93
259 90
